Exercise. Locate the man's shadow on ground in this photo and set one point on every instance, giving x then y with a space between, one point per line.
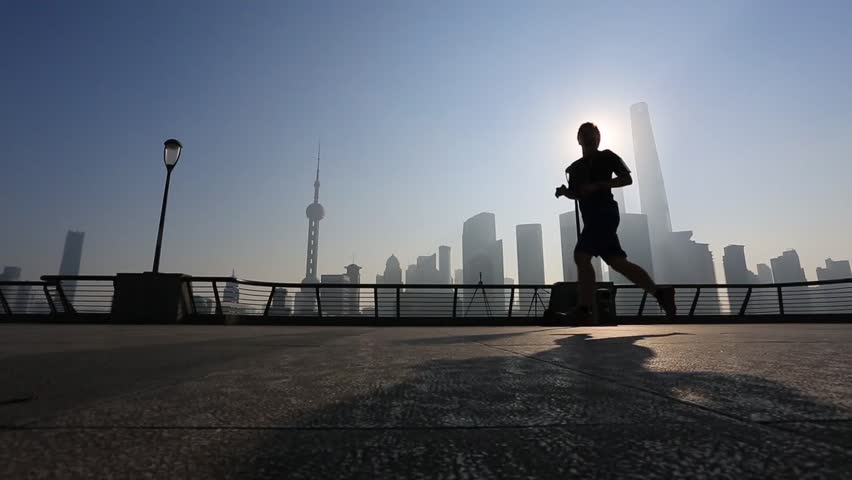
583 388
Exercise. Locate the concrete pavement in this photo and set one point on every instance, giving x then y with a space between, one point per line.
664 401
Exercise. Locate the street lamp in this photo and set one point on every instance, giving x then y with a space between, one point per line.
171 155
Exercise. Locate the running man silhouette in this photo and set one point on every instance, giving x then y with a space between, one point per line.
590 182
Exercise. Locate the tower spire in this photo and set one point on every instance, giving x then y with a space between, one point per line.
317 181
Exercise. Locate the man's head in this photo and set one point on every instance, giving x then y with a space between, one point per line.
588 136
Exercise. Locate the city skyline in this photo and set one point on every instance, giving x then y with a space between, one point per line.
424 132
676 247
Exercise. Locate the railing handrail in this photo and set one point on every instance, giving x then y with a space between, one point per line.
82 278
503 286
50 279
447 286
747 285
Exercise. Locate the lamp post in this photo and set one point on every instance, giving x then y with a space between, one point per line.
171 155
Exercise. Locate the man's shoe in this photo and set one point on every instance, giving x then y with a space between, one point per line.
550 318
666 298
580 317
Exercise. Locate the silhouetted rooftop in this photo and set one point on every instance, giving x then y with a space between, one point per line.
732 401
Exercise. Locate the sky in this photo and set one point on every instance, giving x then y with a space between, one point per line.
428 113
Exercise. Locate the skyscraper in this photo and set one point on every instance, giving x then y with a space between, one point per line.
786 268
695 265
354 294
335 301
736 269
10 274
568 236
481 251
232 290
652 189
425 271
392 274
445 264
764 273
279 307
530 254
736 273
411 276
231 296
482 254
831 298
695 258
636 241
72 255
497 256
387 296
834 270
530 261
423 301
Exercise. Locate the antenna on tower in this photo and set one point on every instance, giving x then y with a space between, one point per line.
319 151
317 181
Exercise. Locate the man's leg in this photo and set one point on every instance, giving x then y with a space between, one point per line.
638 275
585 280
632 272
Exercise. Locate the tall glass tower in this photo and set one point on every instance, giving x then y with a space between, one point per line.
652 189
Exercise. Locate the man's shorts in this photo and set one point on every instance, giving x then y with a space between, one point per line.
599 238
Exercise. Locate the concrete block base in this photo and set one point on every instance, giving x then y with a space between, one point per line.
150 298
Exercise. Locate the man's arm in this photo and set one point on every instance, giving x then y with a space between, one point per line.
563 191
620 170
621 180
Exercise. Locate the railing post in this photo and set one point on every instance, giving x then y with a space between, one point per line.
536 301
533 304
642 303
319 302
66 305
745 302
269 302
218 301
511 299
397 302
376 301
191 296
455 300
780 301
49 299
694 302
4 303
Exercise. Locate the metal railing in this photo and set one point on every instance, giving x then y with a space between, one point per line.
823 298
806 301
230 296
231 300
80 295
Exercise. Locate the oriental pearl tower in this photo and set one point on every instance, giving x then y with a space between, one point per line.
315 212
